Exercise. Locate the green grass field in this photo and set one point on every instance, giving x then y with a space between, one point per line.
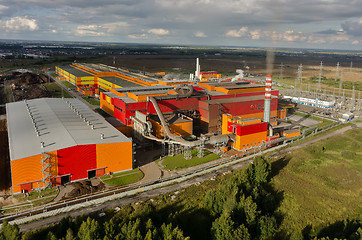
56 90
321 182
124 178
68 84
121 174
92 101
54 75
178 161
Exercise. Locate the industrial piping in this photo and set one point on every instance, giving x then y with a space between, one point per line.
213 140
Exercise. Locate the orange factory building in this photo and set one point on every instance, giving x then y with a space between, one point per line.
86 75
54 141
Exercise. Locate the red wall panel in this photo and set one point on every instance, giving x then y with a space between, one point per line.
192 103
248 129
77 160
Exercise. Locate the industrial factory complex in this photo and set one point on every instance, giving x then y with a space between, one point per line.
54 141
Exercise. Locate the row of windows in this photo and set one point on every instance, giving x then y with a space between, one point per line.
252 144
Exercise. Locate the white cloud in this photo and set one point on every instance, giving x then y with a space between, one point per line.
200 34
89 30
255 34
2 7
355 42
115 27
19 24
158 31
237 33
138 36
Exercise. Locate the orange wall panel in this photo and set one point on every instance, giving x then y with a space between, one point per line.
106 106
126 130
26 170
251 139
182 129
114 156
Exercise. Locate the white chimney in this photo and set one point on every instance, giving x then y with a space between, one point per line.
268 84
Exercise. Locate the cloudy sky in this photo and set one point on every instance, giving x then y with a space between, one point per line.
331 24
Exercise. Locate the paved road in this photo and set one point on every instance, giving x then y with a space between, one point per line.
155 192
147 165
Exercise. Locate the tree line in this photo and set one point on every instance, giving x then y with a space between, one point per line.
244 206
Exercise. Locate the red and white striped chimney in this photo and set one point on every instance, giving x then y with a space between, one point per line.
268 85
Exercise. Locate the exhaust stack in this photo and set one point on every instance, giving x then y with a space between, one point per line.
197 72
268 84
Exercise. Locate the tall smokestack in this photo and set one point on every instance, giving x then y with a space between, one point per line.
197 72
268 84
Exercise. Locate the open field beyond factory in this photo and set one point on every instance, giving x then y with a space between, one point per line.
321 184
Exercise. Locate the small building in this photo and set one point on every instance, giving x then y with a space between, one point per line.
249 132
53 141
291 133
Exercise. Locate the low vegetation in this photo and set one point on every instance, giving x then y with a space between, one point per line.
178 161
312 193
123 178
68 84
321 184
56 90
91 100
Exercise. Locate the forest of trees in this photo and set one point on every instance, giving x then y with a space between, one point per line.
241 207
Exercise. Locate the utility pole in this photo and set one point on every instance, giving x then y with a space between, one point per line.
350 69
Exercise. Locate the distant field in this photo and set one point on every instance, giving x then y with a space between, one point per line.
321 182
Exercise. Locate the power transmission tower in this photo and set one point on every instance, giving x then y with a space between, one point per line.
320 76
340 83
300 71
337 69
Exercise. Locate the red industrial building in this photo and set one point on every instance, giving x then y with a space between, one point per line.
209 101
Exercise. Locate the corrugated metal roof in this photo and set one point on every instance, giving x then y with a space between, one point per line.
142 88
59 126
236 99
120 82
74 71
